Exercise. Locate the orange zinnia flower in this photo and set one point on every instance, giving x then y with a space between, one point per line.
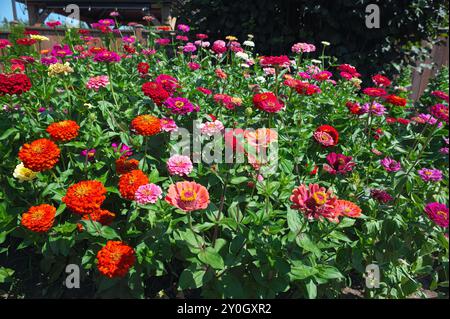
125 165
188 196
130 182
39 155
85 197
63 131
347 209
115 259
39 218
146 125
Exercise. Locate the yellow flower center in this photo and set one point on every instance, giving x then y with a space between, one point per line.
441 213
37 215
82 190
179 104
320 198
188 195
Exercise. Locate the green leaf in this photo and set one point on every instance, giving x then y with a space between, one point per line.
329 272
306 243
238 180
193 279
212 258
311 289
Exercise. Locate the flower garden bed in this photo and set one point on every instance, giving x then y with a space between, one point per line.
90 176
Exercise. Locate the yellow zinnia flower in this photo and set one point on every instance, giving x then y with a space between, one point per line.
39 37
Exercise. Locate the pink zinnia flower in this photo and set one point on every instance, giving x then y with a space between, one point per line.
322 76
184 28
97 82
169 83
315 202
438 213
189 48
338 164
430 175
219 47
162 42
148 194
440 95
194 66
188 196
374 108
89 154
211 128
53 24
61 51
303 48
49 60
179 165
390 165
440 111
168 125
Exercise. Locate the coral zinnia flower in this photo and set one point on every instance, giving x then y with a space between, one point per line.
438 213
146 125
338 164
115 259
63 131
347 209
39 155
315 202
326 135
125 165
39 218
130 182
85 197
188 196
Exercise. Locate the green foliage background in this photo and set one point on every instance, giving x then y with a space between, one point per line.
278 24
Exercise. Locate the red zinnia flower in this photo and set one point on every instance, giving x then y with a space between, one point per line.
277 61
381 80
395 100
268 102
156 92
14 84
143 68
374 92
115 259
327 135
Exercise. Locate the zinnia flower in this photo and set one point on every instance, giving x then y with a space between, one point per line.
315 202
169 83
115 259
326 135
374 108
440 95
24 174
374 92
39 218
156 92
40 155
107 57
146 125
390 165
97 82
179 105
143 68
148 194
430 175
168 125
179 165
347 209
440 111
276 61
212 128
85 197
14 84
381 80
130 182
338 164
188 196
268 102
61 51
63 131
59 68
395 100
102 216
303 48
438 213
381 196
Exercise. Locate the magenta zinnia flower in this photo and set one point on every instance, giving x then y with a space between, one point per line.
338 164
180 105
374 108
390 165
107 57
430 175
179 165
148 194
184 28
438 213
61 51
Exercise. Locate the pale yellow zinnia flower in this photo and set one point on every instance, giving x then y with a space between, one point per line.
231 38
24 174
59 68
39 37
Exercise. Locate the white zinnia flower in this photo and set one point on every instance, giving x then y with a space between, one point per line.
24 174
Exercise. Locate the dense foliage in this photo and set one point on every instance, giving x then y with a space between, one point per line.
87 176
277 24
